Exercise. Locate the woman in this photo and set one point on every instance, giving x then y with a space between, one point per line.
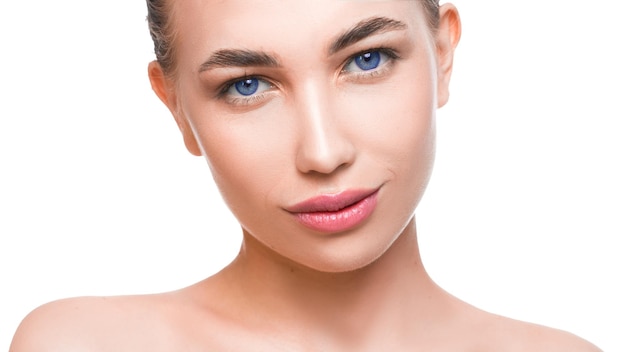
317 122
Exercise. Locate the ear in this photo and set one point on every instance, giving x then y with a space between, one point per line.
164 89
446 40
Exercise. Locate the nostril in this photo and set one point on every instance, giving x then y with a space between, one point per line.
325 156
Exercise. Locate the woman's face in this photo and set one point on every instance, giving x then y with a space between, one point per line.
316 118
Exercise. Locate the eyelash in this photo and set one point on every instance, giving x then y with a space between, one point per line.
242 100
391 57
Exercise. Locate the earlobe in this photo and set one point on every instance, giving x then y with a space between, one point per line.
164 90
447 38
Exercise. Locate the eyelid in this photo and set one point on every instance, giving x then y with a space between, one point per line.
225 87
393 54
243 100
392 57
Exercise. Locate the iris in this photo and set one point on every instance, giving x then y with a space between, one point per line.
247 86
368 61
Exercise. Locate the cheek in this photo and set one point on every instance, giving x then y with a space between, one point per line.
402 143
407 151
246 154
397 124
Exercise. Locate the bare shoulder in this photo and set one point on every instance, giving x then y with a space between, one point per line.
514 335
57 326
91 324
550 339
182 320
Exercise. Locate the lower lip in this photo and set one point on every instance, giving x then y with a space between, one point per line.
341 220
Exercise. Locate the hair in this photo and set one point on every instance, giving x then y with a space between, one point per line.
432 11
162 31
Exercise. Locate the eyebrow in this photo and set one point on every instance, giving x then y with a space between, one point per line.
238 58
364 29
249 58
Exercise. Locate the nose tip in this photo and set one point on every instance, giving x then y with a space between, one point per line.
324 152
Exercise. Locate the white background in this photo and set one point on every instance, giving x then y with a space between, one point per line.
525 215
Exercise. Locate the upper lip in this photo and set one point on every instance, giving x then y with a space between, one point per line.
331 202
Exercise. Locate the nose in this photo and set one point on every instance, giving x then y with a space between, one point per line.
323 146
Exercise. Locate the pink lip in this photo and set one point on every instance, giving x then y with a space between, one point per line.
336 212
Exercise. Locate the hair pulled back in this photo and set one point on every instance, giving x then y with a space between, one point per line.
162 31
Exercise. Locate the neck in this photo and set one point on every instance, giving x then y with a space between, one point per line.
388 293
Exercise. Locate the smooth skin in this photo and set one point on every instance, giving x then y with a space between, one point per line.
318 123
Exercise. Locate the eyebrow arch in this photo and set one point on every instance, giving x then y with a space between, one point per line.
364 29
238 58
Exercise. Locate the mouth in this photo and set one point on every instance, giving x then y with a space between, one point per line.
332 213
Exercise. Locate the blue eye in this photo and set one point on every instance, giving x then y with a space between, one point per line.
247 87
367 61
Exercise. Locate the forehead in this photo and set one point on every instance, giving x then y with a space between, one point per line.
203 26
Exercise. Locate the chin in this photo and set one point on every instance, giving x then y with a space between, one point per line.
340 265
347 257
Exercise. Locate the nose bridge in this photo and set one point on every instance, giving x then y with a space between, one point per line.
323 146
